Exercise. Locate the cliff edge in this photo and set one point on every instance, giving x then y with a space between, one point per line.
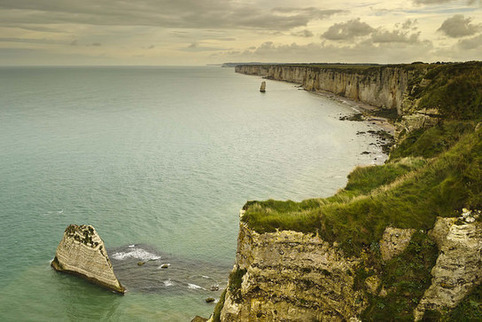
403 240
82 252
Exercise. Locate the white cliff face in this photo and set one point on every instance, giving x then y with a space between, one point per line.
458 267
82 252
384 87
291 276
294 277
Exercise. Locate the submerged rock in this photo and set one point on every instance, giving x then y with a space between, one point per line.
82 252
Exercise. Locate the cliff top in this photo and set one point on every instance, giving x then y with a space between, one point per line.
431 172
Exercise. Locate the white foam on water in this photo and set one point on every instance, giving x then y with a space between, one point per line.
138 253
168 283
131 246
160 266
194 287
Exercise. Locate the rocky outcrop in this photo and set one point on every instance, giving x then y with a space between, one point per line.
381 86
394 242
291 276
82 252
457 270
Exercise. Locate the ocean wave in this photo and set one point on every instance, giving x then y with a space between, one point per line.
137 253
195 287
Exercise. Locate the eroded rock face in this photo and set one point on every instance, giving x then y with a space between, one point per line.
458 268
82 252
291 276
394 242
382 87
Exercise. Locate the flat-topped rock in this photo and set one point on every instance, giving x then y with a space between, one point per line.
82 252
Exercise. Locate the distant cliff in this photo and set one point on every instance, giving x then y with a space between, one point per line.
384 86
403 240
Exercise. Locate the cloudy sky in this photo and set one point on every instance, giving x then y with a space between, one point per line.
198 32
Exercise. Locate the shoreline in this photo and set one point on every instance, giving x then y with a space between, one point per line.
361 108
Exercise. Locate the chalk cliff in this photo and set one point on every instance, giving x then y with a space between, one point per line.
82 252
291 276
384 87
394 244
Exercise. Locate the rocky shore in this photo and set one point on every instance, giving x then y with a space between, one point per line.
402 240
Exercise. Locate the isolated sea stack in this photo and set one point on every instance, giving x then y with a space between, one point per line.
82 252
262 89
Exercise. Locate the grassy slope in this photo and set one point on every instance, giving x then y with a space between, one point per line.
407 193
433 172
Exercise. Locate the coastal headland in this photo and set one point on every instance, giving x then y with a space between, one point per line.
402 240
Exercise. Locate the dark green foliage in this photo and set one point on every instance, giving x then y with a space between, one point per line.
430 142
455 90
436 188
389 113
431 316
405 277
219 307
470 309
235 281
364 179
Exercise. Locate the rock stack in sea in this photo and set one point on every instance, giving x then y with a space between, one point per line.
82 252
262 89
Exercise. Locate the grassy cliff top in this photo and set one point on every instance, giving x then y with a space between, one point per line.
432 172
420 68
408 193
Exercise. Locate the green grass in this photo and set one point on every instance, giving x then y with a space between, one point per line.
455 90
428 143
219 307
402 194
235 281
470 309
405 278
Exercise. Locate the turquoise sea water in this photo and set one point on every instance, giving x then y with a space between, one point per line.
159 160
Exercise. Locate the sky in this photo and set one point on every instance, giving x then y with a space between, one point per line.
199 32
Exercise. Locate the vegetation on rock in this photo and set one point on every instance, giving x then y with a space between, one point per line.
431 172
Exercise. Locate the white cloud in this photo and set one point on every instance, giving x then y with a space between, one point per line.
459 26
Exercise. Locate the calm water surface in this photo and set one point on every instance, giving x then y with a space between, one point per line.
159 160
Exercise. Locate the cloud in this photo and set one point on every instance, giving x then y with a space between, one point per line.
193 14
196 47
395 36
348 30
470 2
458 26
365 51
470 43
303 33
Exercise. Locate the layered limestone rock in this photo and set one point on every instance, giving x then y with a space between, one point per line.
291 276
458 268
82 252
383 86
394 242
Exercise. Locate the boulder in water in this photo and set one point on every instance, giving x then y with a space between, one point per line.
262 89
82 252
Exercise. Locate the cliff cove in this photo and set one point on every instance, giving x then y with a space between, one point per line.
161 176
402 240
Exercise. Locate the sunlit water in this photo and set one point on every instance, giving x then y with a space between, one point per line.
159 160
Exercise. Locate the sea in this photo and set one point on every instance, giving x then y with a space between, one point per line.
159 160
